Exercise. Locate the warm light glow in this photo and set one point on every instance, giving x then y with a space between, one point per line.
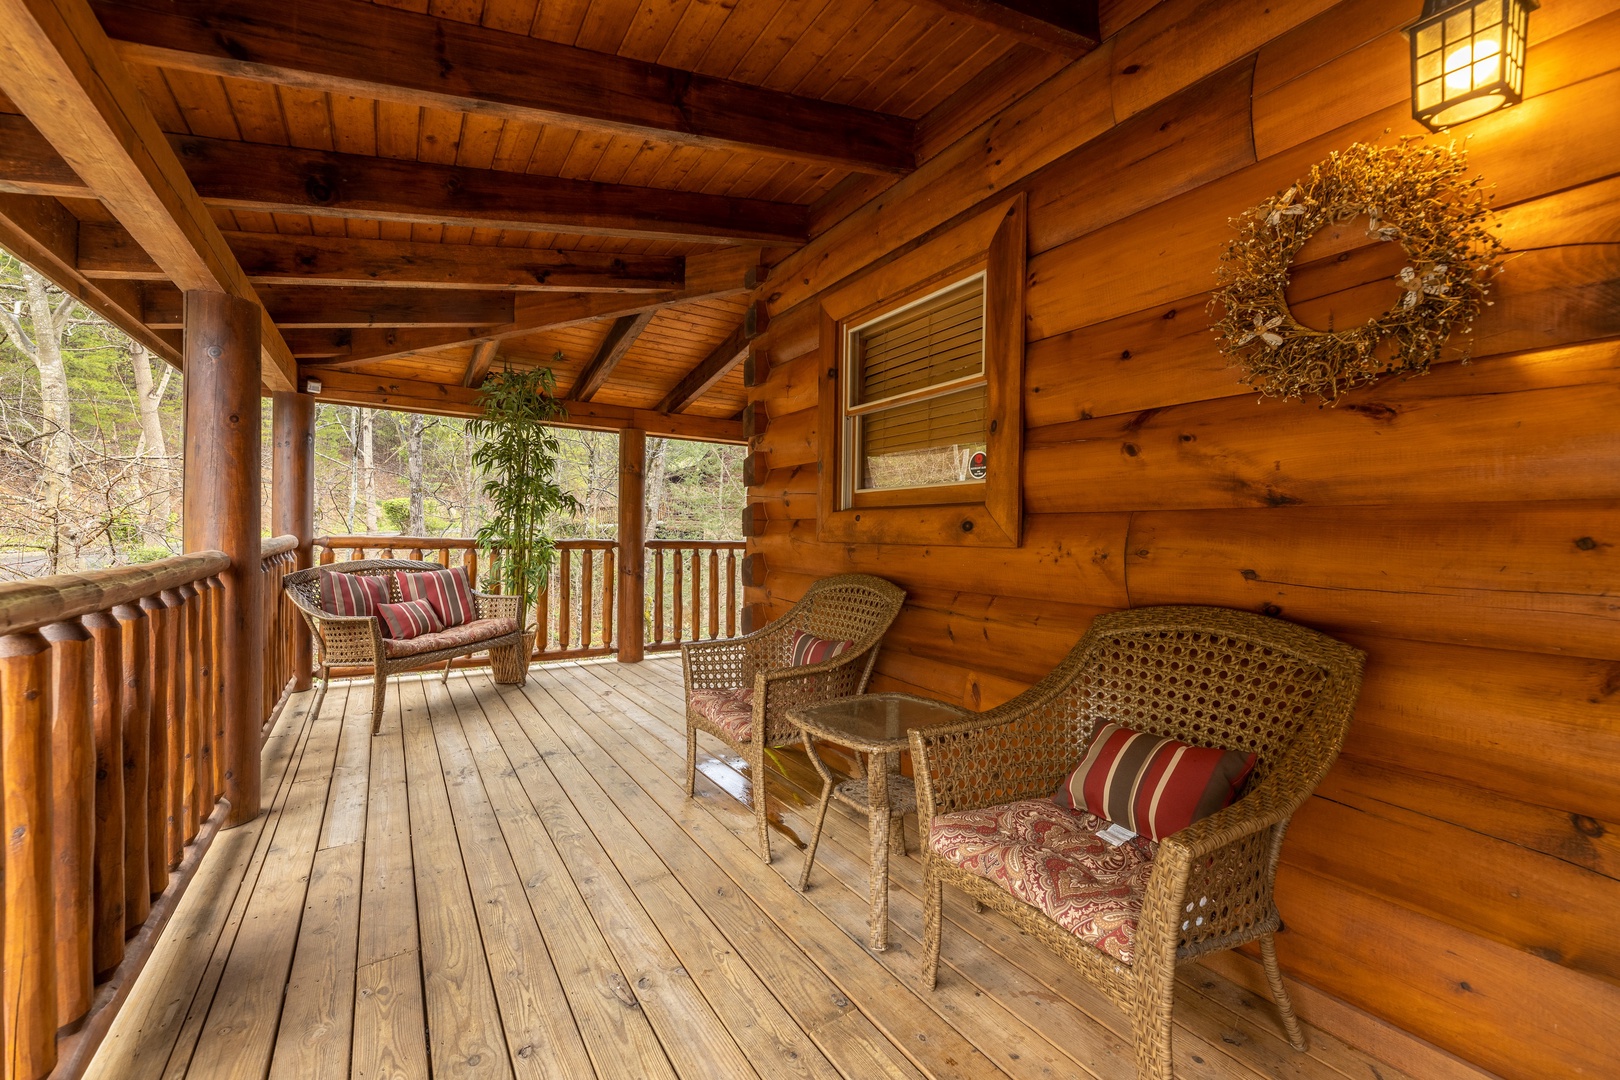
1473 65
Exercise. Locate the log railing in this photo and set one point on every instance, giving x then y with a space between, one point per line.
278 558
692 593
698 601
110 713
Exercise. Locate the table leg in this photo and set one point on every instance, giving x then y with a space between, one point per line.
821 810
877 795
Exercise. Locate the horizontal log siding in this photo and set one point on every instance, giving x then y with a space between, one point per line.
1451 875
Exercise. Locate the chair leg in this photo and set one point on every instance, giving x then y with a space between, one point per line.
1151 1027
691 759
933 901
1285 1006
320 695
758 771
379 691
444 679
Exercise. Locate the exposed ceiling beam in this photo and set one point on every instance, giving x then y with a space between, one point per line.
483 358
620 336
1067 27
714 367
109 252
726 272
42 233
439 399
59 67
371 51
322 307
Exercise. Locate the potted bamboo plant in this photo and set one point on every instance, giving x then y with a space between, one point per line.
517 455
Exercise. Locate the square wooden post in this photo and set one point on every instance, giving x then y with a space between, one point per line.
632 534
222 472
292 501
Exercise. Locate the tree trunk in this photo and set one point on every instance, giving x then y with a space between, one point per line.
57 496
152 455
368 469
353 430
418 523
657 471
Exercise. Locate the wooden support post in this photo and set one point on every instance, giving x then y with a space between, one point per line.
222 511
292 502
632 556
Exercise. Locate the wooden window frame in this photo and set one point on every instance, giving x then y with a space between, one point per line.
978 514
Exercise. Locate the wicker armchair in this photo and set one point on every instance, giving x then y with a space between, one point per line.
359 640
1207 676
852 607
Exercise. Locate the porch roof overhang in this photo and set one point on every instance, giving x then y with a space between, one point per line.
415 199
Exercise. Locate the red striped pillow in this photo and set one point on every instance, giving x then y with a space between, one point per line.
447 590
409 619
807 649
1154 786
352 594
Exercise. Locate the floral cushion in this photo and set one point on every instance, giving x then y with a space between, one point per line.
1053 860
732 711
454 637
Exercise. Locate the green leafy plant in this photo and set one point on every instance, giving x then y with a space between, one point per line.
517 455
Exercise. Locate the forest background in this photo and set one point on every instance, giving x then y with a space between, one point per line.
90 440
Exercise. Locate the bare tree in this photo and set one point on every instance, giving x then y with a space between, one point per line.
415 428
41 341
368 468
657 470
153 469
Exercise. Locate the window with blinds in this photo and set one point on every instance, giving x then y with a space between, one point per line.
915 413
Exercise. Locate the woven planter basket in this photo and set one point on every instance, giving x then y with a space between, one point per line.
510 663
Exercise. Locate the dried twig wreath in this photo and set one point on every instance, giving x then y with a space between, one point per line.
1413 194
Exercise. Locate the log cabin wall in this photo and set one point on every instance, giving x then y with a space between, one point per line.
1456 874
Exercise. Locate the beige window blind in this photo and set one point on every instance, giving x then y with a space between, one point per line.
916 414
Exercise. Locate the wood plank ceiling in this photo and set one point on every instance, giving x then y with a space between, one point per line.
422 189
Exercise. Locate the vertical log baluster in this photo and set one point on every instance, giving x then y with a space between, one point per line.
135 709
328 556
679 580
208 701
542 619
158 621
216 694
731 592
658 596
469 562
191 762
565 598
610 586
107 886
30 896
174 691
586 591
697 595
714 592
73 799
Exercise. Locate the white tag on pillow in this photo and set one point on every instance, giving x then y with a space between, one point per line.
1116 834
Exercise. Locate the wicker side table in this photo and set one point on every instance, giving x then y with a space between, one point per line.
876 724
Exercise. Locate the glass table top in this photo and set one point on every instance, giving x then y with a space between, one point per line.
873 720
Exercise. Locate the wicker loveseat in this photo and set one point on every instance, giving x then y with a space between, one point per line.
754 670
342 641
1206 676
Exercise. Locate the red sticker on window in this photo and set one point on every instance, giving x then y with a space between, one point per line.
976 465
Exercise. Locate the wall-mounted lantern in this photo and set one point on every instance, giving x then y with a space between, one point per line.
1467 59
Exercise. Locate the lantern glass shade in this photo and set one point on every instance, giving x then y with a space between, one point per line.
1467 59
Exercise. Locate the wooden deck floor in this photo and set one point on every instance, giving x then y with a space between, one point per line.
510 883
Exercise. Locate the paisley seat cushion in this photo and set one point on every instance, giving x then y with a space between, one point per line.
1052 859
731 710
454 637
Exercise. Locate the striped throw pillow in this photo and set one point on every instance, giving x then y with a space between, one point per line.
1153 786
411 618
807 649
352 594
447 590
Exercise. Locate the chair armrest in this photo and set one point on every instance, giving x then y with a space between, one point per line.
492 606
715 665
349 639
985 761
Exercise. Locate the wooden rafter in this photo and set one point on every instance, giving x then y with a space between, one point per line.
439 399
277 179
59 67
1067 27
483 358
366 50
620 336
721 359
320 306
109 252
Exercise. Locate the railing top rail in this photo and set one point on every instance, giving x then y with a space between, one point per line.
277 545
696 545
26 605
457 543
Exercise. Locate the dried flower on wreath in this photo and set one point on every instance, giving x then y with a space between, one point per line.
1412 194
